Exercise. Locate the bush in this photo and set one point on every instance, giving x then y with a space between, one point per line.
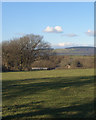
4 68
43 63
77 62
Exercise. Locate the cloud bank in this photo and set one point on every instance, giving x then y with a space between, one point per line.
56 29
64 45
68 44
90 33
70 35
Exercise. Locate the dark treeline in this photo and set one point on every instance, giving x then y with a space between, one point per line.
29 51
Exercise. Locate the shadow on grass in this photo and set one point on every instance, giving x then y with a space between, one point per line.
30 87
74 111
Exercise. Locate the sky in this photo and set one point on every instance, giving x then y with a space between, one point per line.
62 24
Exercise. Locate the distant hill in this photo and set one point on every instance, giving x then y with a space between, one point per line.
81 50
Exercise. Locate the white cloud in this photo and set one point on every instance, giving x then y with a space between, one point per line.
64 45
70 35
69 44
49 29
91 33
56 29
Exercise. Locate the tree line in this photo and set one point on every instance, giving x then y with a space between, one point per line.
20 53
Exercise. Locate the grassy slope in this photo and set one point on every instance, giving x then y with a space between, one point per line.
43 94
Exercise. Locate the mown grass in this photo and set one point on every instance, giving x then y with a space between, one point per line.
48 94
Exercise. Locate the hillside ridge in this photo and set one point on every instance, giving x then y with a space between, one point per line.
78 50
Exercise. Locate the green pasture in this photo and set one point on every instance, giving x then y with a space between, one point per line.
48 94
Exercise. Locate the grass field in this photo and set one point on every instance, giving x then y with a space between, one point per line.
48 94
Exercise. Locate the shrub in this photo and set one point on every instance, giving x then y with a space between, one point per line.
43 63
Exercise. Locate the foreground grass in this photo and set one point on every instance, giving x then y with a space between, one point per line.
48 94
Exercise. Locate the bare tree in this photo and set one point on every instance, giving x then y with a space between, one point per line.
20 53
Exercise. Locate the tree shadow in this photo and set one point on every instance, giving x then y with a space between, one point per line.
73 111
19 88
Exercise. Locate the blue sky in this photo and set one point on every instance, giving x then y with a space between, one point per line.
61 24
